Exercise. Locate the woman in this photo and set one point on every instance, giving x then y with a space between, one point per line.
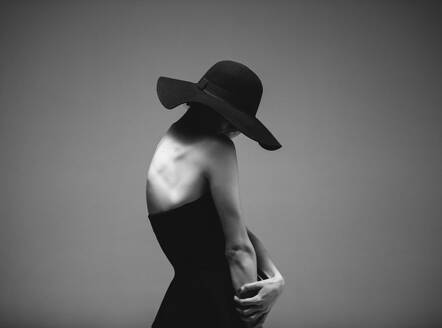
223 274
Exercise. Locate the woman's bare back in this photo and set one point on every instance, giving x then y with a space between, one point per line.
186 165
176 173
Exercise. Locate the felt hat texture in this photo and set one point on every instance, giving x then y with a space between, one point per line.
231 89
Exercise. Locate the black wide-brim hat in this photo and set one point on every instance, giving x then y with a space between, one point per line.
231 89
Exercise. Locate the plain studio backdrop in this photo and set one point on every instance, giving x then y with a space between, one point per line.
349 208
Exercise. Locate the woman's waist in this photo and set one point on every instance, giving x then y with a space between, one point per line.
188 267
202 265
210 278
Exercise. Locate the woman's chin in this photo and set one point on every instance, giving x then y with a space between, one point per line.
232 134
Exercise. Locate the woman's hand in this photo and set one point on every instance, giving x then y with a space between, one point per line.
254 310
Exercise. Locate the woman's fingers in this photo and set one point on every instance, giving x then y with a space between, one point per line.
248 311
254 320
261 320
255 300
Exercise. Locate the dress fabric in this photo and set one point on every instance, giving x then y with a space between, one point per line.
201 291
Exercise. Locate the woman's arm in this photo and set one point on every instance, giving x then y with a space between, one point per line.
264 262
257 298
222 175
242 264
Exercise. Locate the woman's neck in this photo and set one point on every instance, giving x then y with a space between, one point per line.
185 130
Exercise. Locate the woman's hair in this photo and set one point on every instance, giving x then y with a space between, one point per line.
204 119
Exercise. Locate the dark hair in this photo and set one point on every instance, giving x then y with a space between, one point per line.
204 119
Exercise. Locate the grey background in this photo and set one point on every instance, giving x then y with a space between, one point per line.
349 208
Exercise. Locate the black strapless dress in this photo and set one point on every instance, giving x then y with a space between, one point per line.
201 291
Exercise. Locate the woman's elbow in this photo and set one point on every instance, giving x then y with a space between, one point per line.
240 250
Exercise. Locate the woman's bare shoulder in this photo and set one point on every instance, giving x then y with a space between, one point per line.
217 154
217 147
218 143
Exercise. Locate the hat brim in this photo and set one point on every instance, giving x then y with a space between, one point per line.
173 92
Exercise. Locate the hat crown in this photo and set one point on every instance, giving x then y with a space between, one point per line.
231 89
235 83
